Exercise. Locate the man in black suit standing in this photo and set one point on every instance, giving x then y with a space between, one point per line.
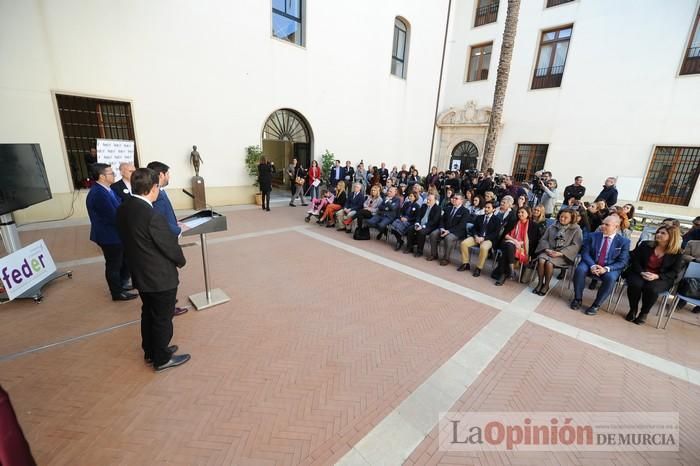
154 256
122 188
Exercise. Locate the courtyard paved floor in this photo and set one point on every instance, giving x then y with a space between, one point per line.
330 351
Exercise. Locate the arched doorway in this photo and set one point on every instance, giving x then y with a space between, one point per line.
287 135
464 156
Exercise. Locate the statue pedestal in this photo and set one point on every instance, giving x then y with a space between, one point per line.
200 199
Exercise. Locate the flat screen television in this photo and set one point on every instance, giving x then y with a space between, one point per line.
23 180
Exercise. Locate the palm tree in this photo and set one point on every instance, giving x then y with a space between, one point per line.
499 93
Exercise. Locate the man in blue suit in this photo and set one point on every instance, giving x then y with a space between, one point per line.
605 255
163 204
102 206
337 173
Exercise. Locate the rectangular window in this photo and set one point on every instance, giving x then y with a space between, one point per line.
551 58
479 60
691 60
486 12
672 175
529 158
84 120
551 3
287 22
398 54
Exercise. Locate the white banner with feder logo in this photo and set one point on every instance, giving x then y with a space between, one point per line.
113 152
23 269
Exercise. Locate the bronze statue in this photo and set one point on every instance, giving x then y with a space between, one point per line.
195 159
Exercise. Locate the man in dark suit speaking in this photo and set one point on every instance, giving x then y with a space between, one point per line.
153 255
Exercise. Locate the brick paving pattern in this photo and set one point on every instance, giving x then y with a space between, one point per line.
315 348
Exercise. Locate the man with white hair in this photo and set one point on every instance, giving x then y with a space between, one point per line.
605 255
122 188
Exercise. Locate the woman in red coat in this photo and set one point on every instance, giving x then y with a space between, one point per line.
315 173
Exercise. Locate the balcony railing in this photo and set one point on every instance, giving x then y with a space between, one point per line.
551 3
691 64
548 77
486 14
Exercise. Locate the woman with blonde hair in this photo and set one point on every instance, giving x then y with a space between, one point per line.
337 204
654 267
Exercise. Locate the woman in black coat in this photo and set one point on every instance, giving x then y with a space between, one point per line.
265 171
654 267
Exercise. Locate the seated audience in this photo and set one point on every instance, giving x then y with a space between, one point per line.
518 244
693 234
427 221
654 267
486 230
604 255
337 204
557 248
319 203
345 216
539 218
407 218
387 211
477 206
370 206
453 228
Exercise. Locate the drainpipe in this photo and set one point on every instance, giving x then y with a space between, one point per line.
439 89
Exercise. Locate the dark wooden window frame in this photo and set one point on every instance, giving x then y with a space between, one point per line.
394 51
553 3
480 65
487 13
691 57
553 75
669 163
532 159
85 119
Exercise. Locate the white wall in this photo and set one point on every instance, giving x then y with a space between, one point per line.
620 94
209 73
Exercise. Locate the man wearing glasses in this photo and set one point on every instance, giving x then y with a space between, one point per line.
102 206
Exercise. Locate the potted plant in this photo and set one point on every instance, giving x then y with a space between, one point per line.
327 161
252 159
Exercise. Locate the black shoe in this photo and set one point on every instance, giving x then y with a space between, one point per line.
330 225
174 362
593 310
291 204
543 291
477 272
304 203
171 349
418 254
501 280
348 231
641 319
593 285
380 234
268 209
124 296
495 274
127 286
696 310
463 267
399 245
631 315
561 275
575 304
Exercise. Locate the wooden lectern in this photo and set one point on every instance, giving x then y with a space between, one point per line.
201 223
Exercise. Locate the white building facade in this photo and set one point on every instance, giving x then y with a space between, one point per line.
360 79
